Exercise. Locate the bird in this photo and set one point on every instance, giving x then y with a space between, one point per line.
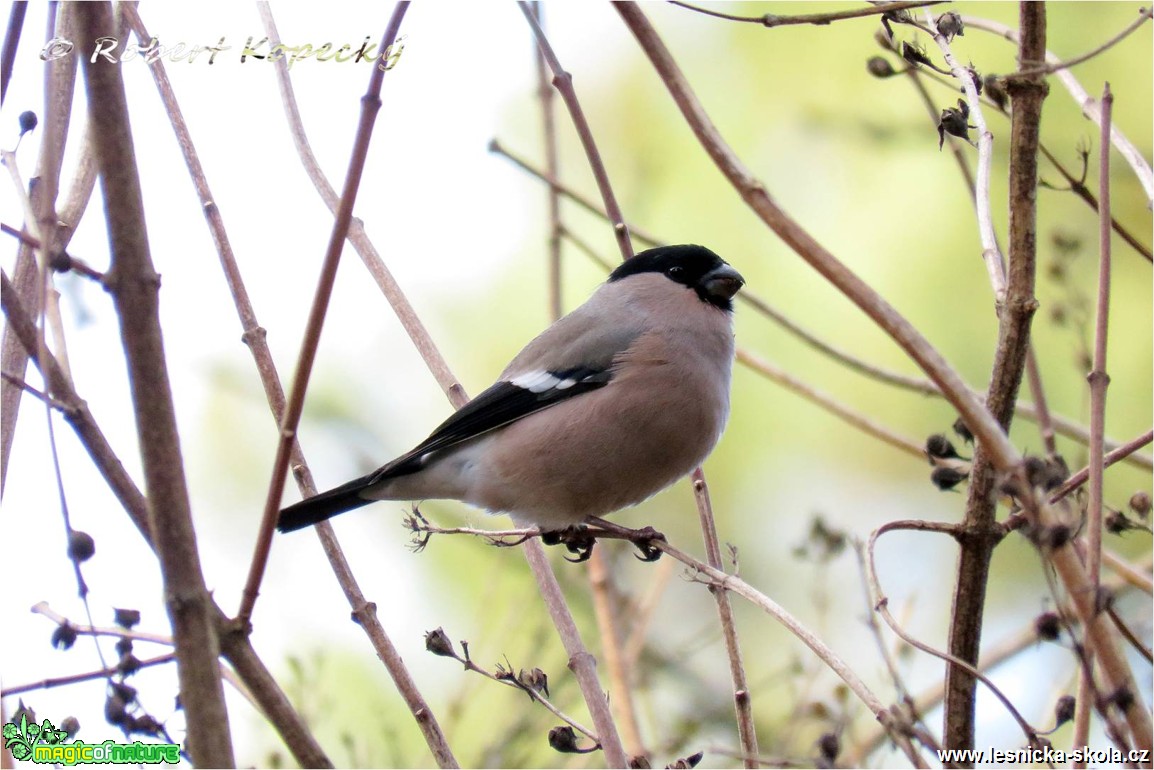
612 403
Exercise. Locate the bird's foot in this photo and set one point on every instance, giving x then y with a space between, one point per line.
644 539
577 539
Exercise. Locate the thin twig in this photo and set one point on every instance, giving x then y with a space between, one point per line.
581 662
294 406
1090 106
1076 185
545 96
1116 455
704 573
11 43
773 20
882 607
1144 15
1033 373
512 680
992 656
87 676
859 421
742 696
1099 381
991 252
1098 378
563 82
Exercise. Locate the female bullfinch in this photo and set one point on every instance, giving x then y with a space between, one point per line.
605 408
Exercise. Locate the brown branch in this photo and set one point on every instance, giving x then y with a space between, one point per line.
11 43
1090 107
563 82
87 676
1098 378
134 286
1099 381
859 421
773 20
1078 479
704 573
981 199
755 195
1076 185
29 273
1143 16
1016 311
742 696
992 657
294 406
881 606
545 95
581 662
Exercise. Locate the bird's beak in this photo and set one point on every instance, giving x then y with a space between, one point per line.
722 282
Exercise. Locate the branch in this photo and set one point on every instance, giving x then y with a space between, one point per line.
29 273
134 286
716 578
1016 306
881 606
742 697
1143 16
1090 107
773 20
370 106
1099 381
563 82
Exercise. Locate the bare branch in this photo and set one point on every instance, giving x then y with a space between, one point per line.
1090 106
1099 380
773 20
563 82
294 406
1144 15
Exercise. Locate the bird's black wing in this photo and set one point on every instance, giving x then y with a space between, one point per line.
504 402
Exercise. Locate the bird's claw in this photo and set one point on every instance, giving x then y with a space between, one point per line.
576 540
644 542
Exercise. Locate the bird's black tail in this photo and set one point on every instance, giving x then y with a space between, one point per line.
324 506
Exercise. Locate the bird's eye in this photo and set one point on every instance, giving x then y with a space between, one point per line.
675 271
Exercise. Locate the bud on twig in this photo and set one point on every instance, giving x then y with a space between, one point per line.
438 643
